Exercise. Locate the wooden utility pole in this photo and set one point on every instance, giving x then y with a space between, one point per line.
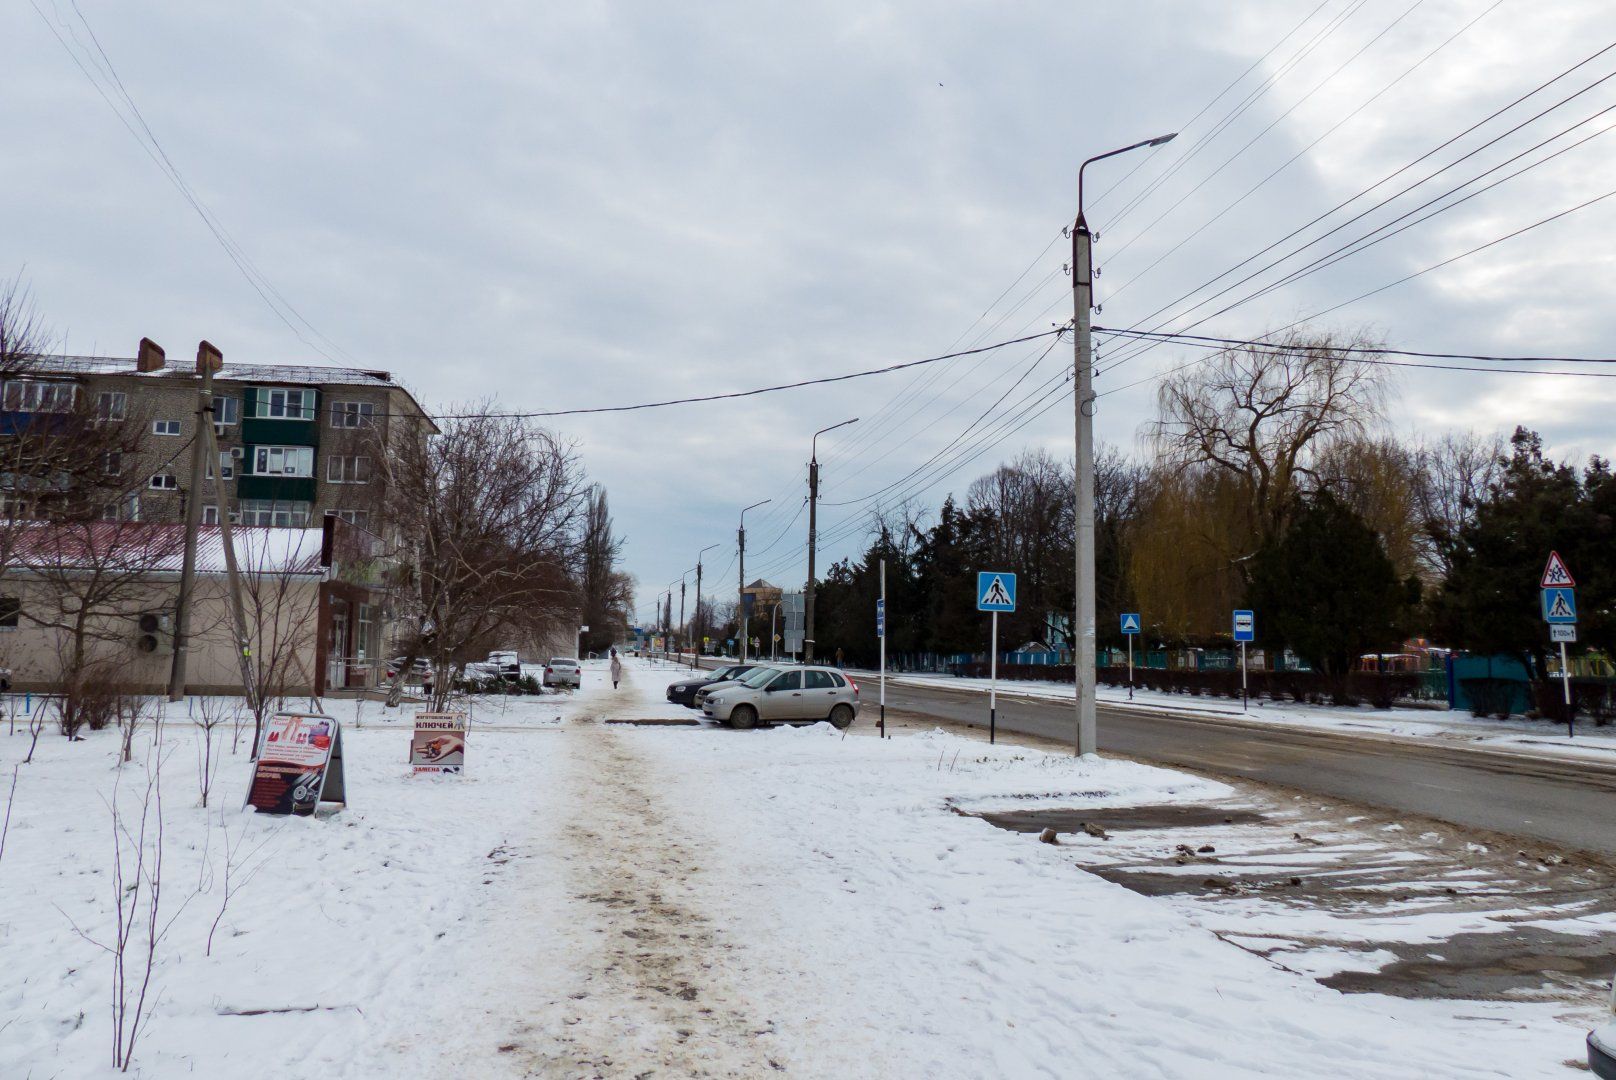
208 360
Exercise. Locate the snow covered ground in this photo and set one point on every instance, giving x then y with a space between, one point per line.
1449 726
607 899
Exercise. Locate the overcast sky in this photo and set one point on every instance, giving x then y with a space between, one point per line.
583 204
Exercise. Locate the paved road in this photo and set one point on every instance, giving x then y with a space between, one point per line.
1570 804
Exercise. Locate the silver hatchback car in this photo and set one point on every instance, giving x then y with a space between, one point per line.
790 695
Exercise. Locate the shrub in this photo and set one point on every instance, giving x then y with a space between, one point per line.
93 698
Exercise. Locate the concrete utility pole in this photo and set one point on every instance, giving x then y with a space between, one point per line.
1083 406
741 577
813 539
701 626
682 611
206 358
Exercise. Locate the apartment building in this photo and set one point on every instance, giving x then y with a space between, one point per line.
296 442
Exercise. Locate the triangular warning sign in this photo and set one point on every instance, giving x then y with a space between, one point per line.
1555 575
995 596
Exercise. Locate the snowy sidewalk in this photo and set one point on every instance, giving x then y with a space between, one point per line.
605 900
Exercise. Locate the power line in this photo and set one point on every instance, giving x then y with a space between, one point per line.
1223 342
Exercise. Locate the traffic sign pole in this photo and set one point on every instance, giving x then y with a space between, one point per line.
1565 677
1245 700
993 682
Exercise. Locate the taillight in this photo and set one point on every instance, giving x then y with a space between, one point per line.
854 684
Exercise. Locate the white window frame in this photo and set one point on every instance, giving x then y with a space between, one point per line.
38 396
353 414
226 410
274 403
264 458
165 427
296 514
210 515
163 482
111 405
359 519
347 469
226 469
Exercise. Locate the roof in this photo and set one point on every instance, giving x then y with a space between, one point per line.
312 374
160 548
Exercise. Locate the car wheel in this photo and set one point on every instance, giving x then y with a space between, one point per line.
842 715
744 718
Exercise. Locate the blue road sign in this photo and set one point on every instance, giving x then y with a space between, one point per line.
1559 606
880 618
1245 626
1130 622
995 591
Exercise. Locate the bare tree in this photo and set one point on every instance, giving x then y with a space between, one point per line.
1452 476
1263 414
607 593
486 516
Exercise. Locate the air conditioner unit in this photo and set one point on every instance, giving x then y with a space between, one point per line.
154 633
237 452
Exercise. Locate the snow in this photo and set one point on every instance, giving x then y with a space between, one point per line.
1441 725
595 899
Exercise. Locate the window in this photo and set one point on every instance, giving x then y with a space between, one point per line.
110 404
10 612
210 515
788 680
347 470
226 411
352 414
112 462
126 510
284 404
165 427
227 466
268 513
359 518
164 482
817 680
282 461
837 679
33 396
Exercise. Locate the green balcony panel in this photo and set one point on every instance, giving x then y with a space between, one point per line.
278 488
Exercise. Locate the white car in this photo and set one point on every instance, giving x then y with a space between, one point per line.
1602 1045
563 671
784 695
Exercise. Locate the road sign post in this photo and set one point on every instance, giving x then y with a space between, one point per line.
1560 612
1130 627
1245 629
881 632
995 592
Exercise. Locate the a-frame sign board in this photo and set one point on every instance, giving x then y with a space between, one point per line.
299 765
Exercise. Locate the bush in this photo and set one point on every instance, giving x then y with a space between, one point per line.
93 699
1489 697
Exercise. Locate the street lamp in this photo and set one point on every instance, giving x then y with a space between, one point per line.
1083 407
813 536
741 550
699 626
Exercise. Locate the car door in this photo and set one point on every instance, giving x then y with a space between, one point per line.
818 694
782 698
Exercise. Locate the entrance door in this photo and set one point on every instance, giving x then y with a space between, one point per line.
336 655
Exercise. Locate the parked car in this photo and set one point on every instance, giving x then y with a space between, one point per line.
420 671
1602 1045
507 664
684 691
791 695
563 671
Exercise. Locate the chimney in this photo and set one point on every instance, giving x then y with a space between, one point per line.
150 356
208 358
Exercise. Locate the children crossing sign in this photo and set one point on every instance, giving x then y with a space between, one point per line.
995 591
1555 574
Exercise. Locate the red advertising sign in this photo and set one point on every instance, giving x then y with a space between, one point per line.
439 743
299 765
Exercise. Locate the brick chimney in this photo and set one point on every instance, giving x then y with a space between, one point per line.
150 356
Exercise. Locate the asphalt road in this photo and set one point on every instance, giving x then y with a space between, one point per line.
1571 804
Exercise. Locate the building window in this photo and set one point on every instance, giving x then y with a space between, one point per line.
283 461
112 462
347 470
10 612
352 414
227 466
362 632
111 404
210 515
33 396
267 513
284 404
164 482
226 411
128 509
359 518
165 427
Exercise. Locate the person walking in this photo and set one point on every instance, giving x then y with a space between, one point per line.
839 658
617 669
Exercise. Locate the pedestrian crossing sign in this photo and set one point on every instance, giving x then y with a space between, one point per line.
1130 622
1559 606
995 591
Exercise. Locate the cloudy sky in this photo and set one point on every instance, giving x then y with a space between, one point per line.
583 204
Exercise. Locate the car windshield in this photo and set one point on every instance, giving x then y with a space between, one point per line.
758 676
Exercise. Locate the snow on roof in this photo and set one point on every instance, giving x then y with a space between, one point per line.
312 374
160 548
